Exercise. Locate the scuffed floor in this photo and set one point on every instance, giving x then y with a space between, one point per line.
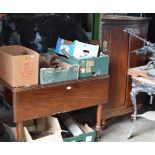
117 130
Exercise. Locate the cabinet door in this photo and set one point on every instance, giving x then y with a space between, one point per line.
117 50
134 59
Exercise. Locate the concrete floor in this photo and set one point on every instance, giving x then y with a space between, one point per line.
116 131
118 128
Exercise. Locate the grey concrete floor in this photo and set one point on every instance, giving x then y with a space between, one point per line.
117 130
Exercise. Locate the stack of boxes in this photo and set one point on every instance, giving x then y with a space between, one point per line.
19 66
89 64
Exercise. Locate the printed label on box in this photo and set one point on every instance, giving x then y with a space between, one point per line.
82 70
26 69
88 69
90 63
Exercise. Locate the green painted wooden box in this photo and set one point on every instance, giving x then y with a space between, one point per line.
52 75
94 66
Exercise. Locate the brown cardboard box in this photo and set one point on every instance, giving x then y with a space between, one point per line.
19 65
47 124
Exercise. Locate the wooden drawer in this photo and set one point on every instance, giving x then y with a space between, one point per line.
39 101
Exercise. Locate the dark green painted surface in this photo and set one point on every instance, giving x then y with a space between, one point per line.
85 137
96 22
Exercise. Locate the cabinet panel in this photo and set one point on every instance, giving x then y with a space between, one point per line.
120 47
117 65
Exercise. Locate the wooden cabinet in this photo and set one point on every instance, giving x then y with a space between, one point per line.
120 46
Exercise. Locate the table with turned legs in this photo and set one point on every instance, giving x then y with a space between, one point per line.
37 101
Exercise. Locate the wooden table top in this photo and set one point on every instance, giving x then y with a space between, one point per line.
42 100
18 89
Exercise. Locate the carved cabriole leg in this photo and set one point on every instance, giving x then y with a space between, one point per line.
140 85
20 131
99 118
130 116
134 92
133 99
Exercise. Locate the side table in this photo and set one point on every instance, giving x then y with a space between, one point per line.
141 84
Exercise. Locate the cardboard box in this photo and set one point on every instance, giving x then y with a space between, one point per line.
77 132
94 66
88 135
19 65
68 46
68 71
46 124
77 49
51 125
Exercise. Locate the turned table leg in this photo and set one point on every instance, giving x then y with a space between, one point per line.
103 123
99 118
20 131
